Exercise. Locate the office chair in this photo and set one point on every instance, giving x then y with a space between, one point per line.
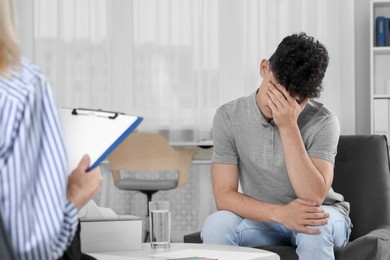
143 154
362 176
6 249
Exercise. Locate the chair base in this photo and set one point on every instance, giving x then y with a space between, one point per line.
149 196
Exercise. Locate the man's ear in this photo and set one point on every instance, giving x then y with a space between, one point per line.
264 67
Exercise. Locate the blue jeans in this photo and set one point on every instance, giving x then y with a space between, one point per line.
225 227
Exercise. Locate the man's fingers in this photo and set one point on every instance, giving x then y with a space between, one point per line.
310 231
277 92
316 222
282 90
271 104
273 100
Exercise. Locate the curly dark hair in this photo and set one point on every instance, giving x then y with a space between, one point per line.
299 64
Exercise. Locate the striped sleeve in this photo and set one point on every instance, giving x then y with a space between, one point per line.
33 168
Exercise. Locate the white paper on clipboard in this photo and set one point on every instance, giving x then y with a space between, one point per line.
94 132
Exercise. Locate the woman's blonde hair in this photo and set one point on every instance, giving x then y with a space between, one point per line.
9 47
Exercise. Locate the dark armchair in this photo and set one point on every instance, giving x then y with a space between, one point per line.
362 175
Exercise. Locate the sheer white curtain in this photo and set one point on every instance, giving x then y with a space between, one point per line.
175 61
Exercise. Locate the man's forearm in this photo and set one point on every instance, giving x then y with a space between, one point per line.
296 215
245 206
306 178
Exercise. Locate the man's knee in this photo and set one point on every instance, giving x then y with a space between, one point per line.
220 228
324 238
318 246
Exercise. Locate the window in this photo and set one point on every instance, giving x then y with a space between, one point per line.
174 62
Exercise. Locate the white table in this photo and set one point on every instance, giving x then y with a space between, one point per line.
221 252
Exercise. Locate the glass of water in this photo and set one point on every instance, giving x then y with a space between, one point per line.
160 224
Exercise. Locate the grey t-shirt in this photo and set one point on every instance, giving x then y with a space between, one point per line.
242 136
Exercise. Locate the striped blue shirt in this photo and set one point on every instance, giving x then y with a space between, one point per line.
39 219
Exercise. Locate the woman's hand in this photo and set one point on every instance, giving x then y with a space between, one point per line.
83 185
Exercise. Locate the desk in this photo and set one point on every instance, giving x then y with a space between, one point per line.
147 252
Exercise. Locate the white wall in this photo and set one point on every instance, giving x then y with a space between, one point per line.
362 65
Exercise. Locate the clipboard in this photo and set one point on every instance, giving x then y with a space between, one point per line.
94 132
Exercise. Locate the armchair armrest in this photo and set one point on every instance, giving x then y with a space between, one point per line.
374 245
193 238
